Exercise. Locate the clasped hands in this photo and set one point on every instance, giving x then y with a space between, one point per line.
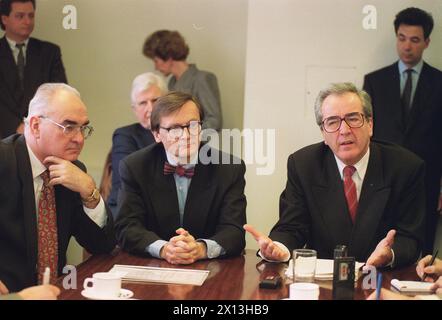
183 249
381 256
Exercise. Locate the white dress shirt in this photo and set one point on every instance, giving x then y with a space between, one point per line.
14 49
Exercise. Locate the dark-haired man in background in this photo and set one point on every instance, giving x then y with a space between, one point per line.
26 63
407 105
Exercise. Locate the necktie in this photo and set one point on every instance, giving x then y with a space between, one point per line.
350 191
179 170
406 95
21 63
47 230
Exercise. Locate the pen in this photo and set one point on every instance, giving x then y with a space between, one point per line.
378 286
46 276
431 263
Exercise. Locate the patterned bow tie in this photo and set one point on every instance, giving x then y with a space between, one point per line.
179 170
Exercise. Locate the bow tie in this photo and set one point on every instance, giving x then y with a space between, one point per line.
179 170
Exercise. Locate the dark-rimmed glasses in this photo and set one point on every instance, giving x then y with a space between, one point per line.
177 131
333 124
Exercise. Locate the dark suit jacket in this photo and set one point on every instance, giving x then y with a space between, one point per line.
148 204
43 64
18 226
423 133
313 209
125 141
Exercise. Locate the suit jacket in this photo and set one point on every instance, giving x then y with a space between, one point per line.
125 141
422 134
215 207
43 64
313 210
203 86
18 225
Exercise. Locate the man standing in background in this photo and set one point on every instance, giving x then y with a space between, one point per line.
26 63
407 105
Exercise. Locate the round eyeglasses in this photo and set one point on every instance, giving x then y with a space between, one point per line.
177 131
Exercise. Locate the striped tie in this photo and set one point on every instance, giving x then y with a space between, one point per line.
350 192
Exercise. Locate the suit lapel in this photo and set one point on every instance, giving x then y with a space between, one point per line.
8 67
33 58
199 199
29 210
62 207
330 198
372 202
422 92
164 196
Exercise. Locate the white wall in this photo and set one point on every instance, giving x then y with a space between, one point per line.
295 47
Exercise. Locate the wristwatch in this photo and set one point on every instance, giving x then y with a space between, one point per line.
95 196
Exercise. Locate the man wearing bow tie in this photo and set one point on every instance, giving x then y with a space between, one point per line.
174 206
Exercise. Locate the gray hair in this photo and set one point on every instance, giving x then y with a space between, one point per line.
144 81
44 95
339 89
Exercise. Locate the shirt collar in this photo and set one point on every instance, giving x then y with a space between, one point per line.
36 166
361 165
12 43
172 160
417 68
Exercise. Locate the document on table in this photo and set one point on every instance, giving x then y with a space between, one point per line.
324 269
160 275
412 286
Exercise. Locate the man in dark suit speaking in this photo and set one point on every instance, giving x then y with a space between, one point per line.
26 63
407 105
349 191
173 203
46 197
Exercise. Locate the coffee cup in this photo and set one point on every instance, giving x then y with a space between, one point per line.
103 284
304 291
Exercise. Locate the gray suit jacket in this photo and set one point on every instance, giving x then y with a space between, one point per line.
203 86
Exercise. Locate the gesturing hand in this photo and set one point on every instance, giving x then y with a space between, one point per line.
382 255
268 248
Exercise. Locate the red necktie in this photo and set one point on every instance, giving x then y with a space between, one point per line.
350 191
47 230
179 170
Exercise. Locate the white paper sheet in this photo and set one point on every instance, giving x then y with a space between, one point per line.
324 269
161 275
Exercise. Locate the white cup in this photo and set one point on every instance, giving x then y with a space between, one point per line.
104 284
304 265
304 291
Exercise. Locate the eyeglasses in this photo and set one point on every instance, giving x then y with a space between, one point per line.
353 120
71 130
176 132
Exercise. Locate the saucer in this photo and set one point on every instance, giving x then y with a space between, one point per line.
124 295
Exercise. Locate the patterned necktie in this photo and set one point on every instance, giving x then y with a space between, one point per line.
350 191
47 230
179 170
406 96
21 64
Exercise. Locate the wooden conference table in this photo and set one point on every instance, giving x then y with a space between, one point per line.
229 279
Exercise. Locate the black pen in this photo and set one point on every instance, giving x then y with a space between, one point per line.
431 263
